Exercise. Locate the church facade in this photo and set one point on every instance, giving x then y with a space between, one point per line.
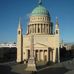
46 39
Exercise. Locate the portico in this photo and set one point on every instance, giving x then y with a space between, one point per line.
42 54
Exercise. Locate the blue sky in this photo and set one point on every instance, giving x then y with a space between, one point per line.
11 10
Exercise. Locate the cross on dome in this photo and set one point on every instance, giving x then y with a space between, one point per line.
40 2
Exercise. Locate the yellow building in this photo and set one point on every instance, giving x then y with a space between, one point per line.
46 40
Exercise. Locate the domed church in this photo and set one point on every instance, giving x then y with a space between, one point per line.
40 37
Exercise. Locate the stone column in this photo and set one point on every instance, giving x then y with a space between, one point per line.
42 55
35 28
54 55
32 28
46 29
43 28
51 56
57 55
40 27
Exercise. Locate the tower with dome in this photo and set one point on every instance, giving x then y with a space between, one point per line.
46 40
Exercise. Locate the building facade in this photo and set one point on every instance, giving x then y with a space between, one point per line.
7 52
46 39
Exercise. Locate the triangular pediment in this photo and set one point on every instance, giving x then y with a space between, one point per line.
39 45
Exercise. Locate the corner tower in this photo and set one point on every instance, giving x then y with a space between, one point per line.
57 40
19 43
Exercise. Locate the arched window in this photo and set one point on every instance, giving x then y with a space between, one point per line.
19 32
56 31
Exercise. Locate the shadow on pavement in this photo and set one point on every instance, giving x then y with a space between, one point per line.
53 71
6 70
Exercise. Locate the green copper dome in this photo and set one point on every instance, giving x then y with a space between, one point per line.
40 11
